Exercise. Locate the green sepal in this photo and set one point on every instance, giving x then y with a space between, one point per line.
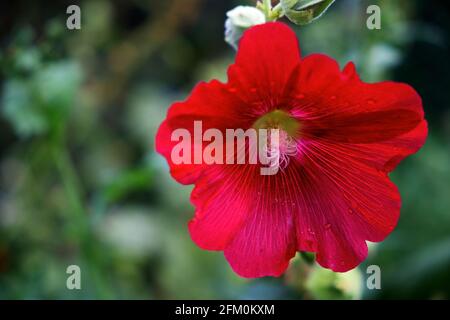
302 12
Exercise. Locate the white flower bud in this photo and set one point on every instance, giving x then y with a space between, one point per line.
238 20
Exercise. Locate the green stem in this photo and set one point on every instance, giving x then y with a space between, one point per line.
277 12
80 227
71 187
267 5
70 182
271 13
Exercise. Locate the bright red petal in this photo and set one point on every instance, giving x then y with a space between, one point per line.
353 133
247 215
183 173
267 56
347 202
264 246
381 122
266 242
216 106
222 205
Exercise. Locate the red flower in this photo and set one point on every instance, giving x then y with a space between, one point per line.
334 194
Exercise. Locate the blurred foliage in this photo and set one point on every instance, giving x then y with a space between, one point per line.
81 184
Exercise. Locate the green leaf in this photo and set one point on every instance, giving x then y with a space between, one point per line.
19 109
39 103
131 181
57 84
302 12
326 284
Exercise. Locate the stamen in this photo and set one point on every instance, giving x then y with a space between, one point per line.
280 149
282 146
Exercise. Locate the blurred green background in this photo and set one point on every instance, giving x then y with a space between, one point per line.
81 184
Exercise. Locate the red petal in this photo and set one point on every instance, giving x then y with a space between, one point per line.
383 122
214 105
386 155
337 105
343 203
266 242
244 214
350 71
267 55
183 173
221 205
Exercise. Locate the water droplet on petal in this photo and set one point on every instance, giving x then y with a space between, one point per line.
328 226
350 211
232 90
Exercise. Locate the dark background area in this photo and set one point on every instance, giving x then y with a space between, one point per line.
81 184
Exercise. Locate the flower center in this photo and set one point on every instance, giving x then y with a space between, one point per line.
285 145
279 119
